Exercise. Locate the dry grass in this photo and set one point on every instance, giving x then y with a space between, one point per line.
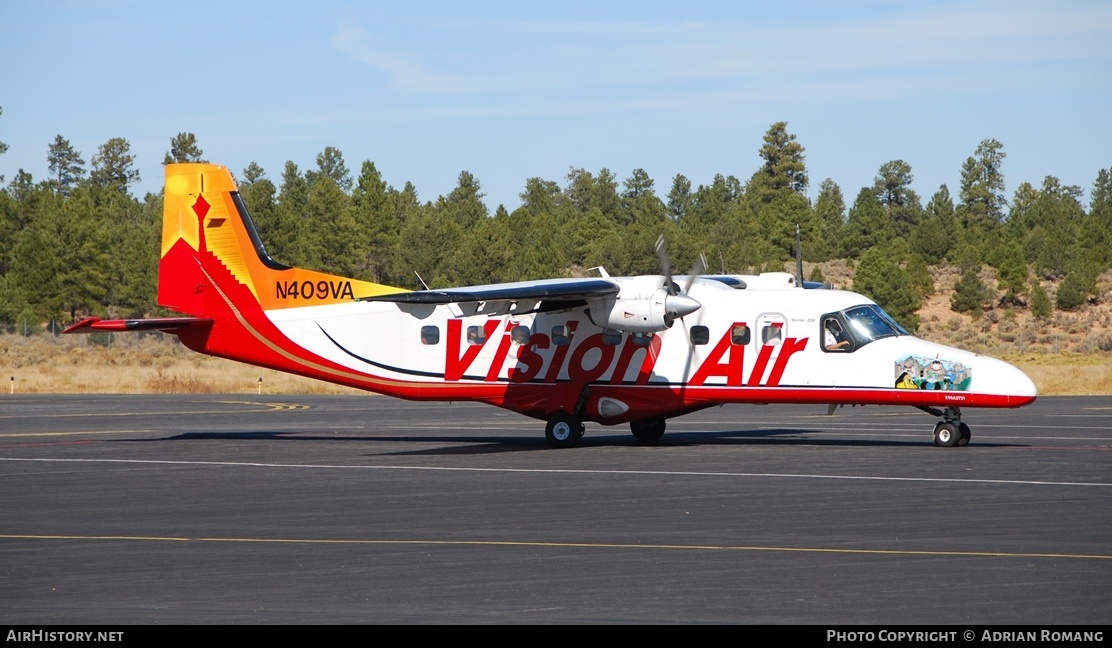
136 364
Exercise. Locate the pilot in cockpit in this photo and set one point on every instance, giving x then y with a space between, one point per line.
834 339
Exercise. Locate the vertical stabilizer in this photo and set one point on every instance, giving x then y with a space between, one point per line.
213 261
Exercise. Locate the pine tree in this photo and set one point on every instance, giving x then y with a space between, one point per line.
712 203
464 203
1098 226
183 148
330 236
784 165
830 219
1079 284
892 187
982 185
286 236
1041 307
970 293
587 192
65 166
540 196
1071 292
934 235
1012 278
880 278
3 146
679 198
868 226
33 280
377 223
113 165
330 164
640 203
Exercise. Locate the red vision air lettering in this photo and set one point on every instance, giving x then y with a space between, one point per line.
455 365
727 360
714 365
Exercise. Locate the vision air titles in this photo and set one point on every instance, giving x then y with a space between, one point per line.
635 350
595 356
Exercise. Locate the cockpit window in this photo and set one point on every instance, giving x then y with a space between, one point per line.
892 321
871 323
863 324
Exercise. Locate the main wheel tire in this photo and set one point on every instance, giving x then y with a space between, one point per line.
946 435
563 430
963 430
648 430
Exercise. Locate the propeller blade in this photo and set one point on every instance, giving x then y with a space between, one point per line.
698 268
665 265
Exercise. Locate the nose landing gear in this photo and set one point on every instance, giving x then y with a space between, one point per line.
950 431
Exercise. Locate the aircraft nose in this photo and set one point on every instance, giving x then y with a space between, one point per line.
1023 385
1012 382
680 305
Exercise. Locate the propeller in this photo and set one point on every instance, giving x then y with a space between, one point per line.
697 268
665 265
676 305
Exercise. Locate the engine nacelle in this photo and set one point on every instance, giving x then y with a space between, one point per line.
656 312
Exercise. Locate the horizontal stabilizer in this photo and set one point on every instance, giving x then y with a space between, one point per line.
168 324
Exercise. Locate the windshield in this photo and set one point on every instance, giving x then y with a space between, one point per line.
872 323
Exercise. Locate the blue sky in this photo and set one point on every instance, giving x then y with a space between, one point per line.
513 90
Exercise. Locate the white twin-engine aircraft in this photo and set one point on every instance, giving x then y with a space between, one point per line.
611 350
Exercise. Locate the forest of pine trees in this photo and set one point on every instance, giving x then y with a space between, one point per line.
77 242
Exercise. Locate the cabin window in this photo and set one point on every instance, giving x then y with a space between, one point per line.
430 335
772 334
561 335
739 335
520 334
700 334
610 337
476 335
642 339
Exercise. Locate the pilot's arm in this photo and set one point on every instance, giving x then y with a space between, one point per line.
832 343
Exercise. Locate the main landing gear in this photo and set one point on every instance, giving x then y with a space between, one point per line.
950 431
648 430
564 430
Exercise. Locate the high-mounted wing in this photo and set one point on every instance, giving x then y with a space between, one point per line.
516 297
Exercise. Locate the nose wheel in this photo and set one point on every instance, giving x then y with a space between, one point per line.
950 431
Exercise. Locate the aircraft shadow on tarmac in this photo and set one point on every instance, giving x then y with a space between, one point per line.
462 443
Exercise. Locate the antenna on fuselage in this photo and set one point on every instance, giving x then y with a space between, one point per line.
798 258
421 280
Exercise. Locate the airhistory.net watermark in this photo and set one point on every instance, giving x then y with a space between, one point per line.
63 635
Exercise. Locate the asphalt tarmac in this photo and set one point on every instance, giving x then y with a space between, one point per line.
257 509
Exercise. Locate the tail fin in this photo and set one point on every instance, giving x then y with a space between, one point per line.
213 260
